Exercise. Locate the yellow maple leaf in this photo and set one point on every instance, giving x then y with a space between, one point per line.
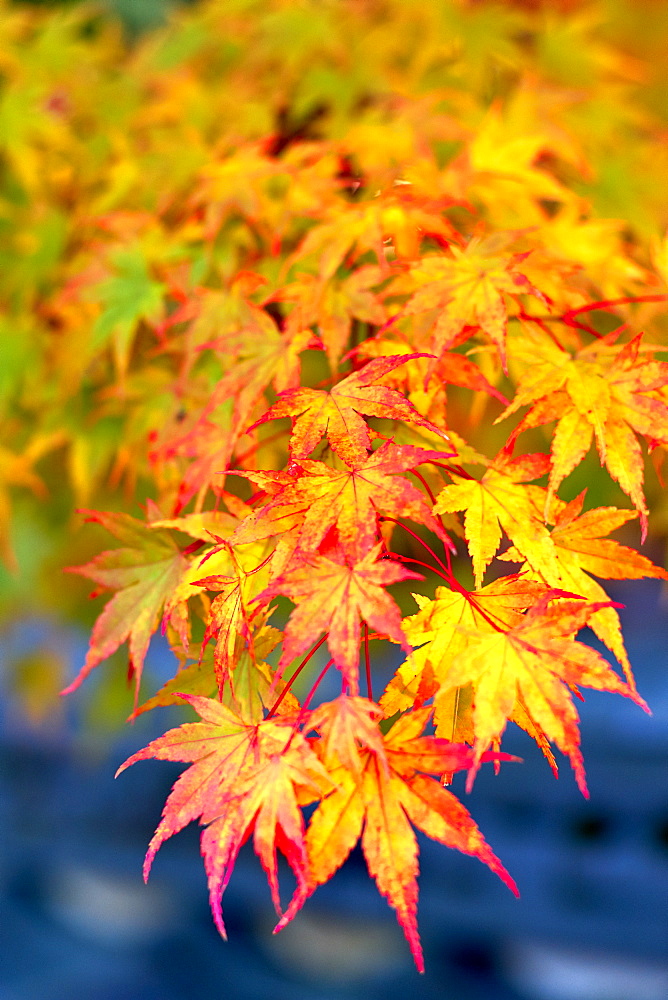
501 501
600 393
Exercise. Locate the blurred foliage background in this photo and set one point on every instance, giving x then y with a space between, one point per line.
139 143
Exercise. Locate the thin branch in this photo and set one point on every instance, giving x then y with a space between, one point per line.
295 675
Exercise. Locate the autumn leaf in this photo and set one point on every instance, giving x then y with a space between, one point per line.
596 394
330 305
208 524
232 614
392 794
504 151
582 548
244 778
424 381
501 501
458 369
436 630
337 413
348 726
539 661
333 595
580 537
253 354
145 573
256 357
313 497
353 230
252 684
468 288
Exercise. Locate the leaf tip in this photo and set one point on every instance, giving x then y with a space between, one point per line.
640 701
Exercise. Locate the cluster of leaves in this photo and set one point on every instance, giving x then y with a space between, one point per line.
285 277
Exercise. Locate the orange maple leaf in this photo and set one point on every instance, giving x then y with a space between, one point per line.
232 614
243 779
450 367
352 230
458 369
347 726
313 497
254 354
329 304
331 595
382 801
337 413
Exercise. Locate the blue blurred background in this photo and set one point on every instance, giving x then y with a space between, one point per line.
591 924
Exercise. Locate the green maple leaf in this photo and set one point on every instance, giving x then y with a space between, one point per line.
145 575
128 297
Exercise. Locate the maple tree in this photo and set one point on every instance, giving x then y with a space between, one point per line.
306 322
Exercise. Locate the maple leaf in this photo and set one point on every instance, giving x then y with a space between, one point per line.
231 615
468 289
347 726
352 230
253 354
332 595
208 524
243 778
503 156
337 413
314 497
436 630
251 683
330 306
257 356
501 500
582 549
450 367
127 297
539 662
382 799
218 559
595 244
145 573
457 369
593 395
